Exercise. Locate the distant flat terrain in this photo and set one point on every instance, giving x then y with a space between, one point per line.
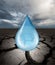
12 32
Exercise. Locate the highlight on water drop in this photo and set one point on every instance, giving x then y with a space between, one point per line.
27 37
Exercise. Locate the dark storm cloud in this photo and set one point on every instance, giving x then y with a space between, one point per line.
4 14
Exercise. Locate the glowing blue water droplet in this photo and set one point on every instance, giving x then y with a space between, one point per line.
27 37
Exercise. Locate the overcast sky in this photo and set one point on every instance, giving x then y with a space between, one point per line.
41 12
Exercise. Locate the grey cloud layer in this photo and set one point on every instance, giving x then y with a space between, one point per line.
42 12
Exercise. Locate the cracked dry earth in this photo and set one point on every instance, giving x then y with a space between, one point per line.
44 54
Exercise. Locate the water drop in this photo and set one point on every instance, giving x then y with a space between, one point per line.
27 37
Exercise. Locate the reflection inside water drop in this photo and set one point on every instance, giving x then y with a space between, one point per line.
27 37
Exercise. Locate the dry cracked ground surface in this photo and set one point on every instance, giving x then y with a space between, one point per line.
44 54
